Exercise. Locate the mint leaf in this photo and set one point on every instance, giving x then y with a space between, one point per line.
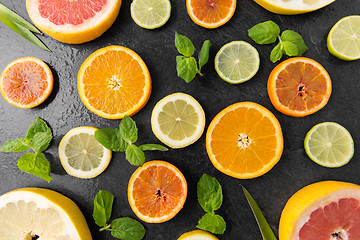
179 58
103 203
38 125
36 165
212 223
127 229
41 140
135 155
187 69
204 54
264 33
295 38
153 147
128 130
290 49
209 193
111 139
184 45
277 53
17 145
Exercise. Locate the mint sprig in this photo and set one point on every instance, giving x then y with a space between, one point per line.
122 139
38 138
290 43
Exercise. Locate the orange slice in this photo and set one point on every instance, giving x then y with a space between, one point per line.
211 13
299 87
26 82
113 82
157 191
244 140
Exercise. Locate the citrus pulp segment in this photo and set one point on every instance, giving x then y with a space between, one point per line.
329 144
82 155
157 191
344 38
75 21
197 235
211 13
178 120
29 212
299 87
237 62
150 14
26 82
323 210
244 140
113 82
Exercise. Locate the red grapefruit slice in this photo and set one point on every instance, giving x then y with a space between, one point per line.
73 21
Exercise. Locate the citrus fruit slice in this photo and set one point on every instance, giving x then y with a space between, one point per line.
150 14
329 144
292 7
178 120
113 82
197 235
323 210
244 140
157 191
237 62
344 38
211 13
37 213
81 155
75 21
26 82
299 87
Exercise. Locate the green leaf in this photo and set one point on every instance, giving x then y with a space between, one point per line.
128 130
295 38
264 33
212 223
41 140
127 229
209 193
265 229
153 147
179 58
277 53
17 145
38 125
204 54
36 165
135 155
111 139
184 45
290 49
187 69
103 203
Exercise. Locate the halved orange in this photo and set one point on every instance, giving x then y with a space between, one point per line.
244 140
26 82
157 191
211 13
299 87
113 82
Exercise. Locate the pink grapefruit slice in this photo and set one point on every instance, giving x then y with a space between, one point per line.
73 21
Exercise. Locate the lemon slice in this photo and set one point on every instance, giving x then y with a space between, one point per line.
178 120
31 213
329 144
150 14
82 155
344 38
197 235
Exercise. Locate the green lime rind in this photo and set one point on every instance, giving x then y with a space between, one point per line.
329 144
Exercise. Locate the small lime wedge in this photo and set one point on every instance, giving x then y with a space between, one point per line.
329 144
150 14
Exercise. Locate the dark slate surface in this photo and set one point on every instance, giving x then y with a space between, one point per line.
64 111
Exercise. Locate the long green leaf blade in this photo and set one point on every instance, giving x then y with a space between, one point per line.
265 229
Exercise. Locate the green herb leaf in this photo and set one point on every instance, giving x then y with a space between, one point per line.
290 49
36 165
128 130
127 229
103 203
277 53
41 140
187 69
135 155
111 139
212 223
295 38
153 147
204 54
209 193
264 33
179 58
184 45
17 145
38 125
265 229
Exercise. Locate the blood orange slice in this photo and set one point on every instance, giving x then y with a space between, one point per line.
73 21
26 82
157 191
323 211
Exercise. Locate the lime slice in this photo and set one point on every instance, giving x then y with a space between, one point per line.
82 155
197 235
344 38
178 120
150 14
329 144
237 62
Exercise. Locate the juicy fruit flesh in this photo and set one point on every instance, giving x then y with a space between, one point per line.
74 12
151 13
211 10
296 4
